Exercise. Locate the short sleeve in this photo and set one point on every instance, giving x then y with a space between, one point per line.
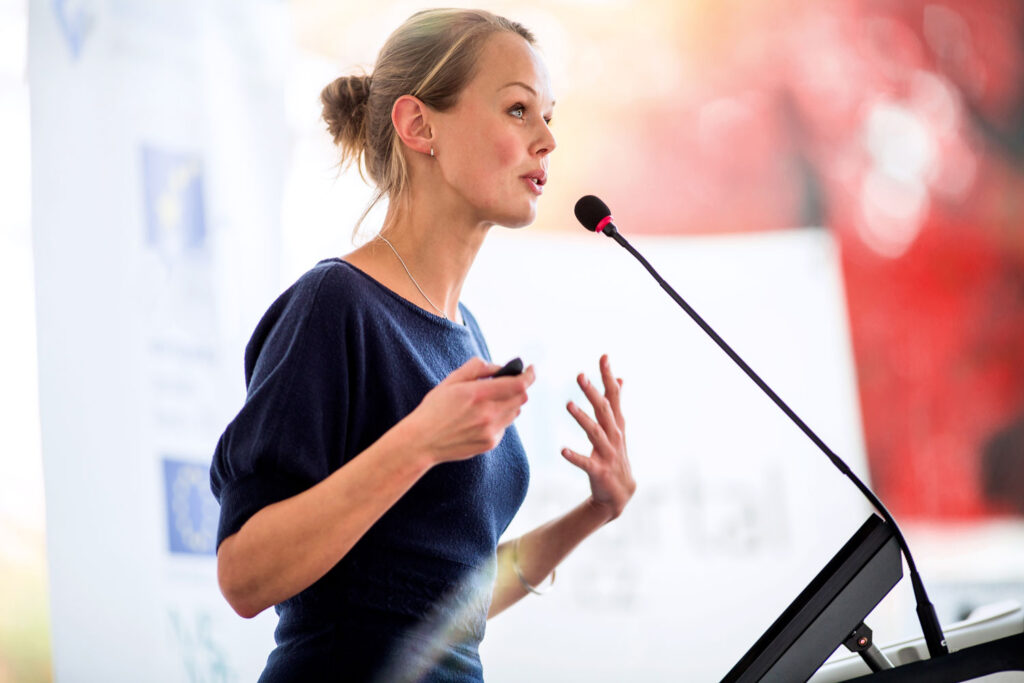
291 427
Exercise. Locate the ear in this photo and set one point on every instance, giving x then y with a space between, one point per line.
410 118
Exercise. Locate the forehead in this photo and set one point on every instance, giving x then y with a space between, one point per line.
508 58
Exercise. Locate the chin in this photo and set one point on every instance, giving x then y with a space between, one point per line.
515 225
520 220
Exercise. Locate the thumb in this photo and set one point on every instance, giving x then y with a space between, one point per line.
474 368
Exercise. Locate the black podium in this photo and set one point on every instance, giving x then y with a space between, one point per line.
831 610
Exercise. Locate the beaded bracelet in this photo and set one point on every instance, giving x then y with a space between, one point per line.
519 573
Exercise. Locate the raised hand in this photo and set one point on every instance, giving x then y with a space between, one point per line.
611 480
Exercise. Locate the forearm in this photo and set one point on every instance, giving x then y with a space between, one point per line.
286 547
541 550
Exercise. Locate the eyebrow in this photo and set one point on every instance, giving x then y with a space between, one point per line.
522 85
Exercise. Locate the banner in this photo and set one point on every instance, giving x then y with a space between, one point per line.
158 155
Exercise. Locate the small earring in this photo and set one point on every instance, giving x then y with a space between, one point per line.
431 151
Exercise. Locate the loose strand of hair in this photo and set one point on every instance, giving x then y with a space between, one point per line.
418 90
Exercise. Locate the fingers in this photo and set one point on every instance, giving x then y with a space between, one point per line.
602 406
474 368
594 431
575 458
503 388
612 387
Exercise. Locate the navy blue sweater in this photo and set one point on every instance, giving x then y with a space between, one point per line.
334 363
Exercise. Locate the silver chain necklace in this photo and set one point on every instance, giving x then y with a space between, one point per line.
439 311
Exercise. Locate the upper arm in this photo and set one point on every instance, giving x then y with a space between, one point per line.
288 434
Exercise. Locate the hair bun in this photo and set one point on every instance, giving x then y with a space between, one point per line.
345 100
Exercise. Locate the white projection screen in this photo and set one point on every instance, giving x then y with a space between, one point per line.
735 509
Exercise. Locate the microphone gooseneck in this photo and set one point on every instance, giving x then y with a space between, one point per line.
596 217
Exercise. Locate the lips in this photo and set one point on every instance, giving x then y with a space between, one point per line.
536 180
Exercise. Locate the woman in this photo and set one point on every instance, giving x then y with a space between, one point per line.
366 480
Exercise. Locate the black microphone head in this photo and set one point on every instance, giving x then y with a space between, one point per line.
590 211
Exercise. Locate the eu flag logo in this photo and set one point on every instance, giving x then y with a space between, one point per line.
192 511
173 185
76 20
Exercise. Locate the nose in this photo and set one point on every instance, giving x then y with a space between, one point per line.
545 142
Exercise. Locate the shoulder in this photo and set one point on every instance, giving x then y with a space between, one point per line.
329 278
316 304
331 286
300 301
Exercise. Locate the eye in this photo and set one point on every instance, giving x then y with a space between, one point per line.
518 110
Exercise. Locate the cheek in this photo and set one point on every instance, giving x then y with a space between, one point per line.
487 161
506 151
493 153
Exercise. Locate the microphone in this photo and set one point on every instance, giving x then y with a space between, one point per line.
596 217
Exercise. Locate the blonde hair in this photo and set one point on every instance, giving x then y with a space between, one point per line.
431 57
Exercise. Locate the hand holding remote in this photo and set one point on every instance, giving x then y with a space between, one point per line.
462 417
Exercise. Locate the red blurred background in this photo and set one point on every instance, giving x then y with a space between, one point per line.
900 127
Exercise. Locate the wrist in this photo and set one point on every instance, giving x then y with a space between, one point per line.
406 438
600 512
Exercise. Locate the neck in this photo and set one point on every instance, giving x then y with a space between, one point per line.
438 250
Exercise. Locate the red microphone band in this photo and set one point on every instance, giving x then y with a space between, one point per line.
604 221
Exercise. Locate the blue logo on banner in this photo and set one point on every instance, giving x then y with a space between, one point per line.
192 511
75 22
174 201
